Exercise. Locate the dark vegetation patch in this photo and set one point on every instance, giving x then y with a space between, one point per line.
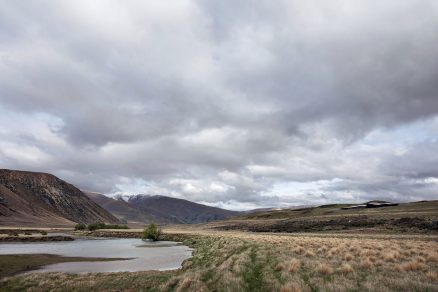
340 223
253 272
30 238
99 225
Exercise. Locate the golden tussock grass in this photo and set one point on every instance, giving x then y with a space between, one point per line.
186 282
324 269
391 256
413 266
367 253
366 263
420 259
432 257
294 265
432 276
345 269
348 257
333 251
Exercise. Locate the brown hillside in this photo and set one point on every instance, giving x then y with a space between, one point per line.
41 199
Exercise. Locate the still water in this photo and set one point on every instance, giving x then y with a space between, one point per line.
141 256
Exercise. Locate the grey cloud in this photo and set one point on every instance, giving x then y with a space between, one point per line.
272 92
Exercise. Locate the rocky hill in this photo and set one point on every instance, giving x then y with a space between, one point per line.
160 209
41 199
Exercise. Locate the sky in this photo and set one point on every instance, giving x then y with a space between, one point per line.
238 104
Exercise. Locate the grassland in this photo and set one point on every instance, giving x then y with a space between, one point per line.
417 217
242 261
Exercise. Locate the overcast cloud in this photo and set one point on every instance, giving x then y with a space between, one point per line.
238 104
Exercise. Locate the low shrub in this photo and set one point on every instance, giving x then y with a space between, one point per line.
115 226
152 232
101 225
96 225
80 226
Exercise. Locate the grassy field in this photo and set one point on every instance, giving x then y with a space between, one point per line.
241 261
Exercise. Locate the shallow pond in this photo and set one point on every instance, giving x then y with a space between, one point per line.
141 255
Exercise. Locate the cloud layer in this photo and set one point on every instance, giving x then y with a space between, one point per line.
238 104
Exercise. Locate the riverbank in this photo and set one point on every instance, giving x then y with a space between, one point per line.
244 261
114 233
18 263
35 238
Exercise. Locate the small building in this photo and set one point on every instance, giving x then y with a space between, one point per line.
379 204
370 204
354 207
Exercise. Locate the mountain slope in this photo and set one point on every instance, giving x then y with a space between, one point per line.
179 210
160 209
125 211
33 198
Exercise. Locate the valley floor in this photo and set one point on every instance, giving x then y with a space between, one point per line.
243 261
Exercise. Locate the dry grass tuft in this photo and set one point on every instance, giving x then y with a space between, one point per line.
414 266
333 251
279 267
366 263
391 256
348 257
324 269
420 259
432 275
345 269
294 265
185 284
432 257
379 263
367 252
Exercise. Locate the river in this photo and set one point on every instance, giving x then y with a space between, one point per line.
141 256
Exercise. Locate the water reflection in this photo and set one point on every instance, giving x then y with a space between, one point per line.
144 256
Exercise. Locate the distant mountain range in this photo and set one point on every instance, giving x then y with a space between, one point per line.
41 199
160 209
